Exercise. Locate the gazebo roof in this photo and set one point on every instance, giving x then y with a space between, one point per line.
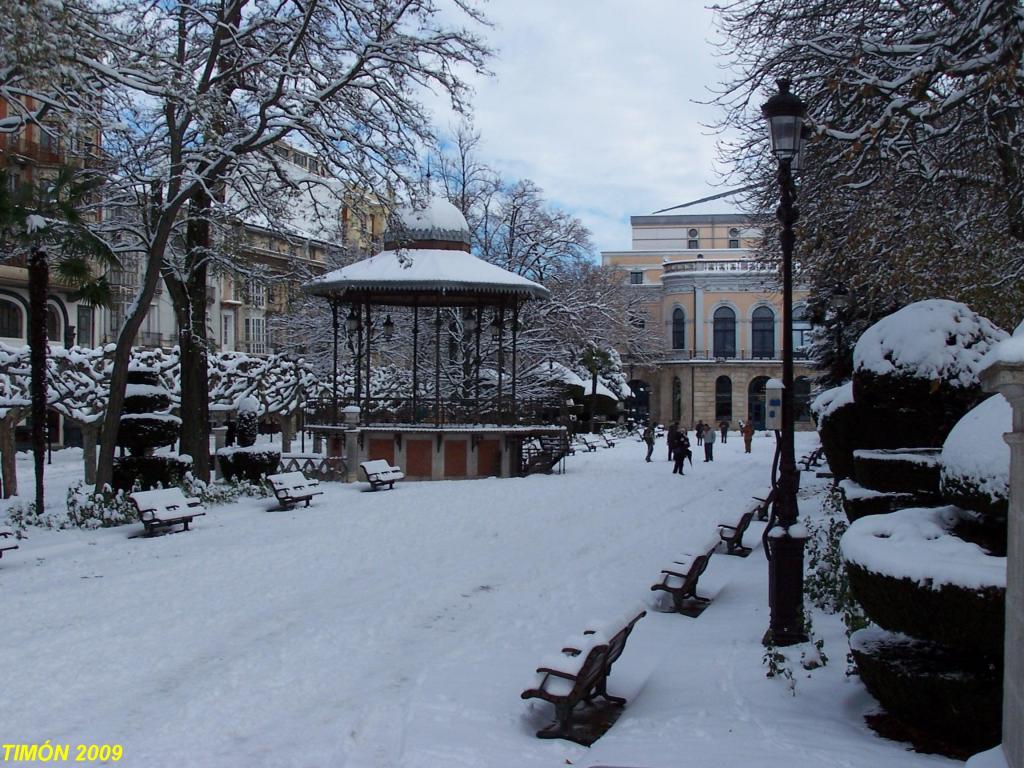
425 277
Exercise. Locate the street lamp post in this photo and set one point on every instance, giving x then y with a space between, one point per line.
784 113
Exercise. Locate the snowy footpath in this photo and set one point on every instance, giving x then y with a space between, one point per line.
398 628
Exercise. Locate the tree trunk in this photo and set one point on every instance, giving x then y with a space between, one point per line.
593 399
90 438
189 297
287 423
38 289
7 452
125 340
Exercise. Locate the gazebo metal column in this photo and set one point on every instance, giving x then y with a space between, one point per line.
369 328
501 357
359 354
415 357
437 363
515 333
334 367
476 392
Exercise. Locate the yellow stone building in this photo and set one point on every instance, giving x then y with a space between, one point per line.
719 315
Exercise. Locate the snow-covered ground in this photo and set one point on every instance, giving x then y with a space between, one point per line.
398 628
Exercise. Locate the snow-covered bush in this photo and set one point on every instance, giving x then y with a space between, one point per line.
976 461
221 493
145 426
248 421
912 574
923 360
88 509
252 463
899 470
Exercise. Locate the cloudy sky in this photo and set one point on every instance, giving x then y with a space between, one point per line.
595 101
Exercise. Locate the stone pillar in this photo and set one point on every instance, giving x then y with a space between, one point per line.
219 439
351 417
698 320
1008 380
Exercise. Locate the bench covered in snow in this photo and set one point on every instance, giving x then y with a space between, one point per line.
5 547
619 632
587 445
165 508
378 472
732 535
681 583
566 681
292 487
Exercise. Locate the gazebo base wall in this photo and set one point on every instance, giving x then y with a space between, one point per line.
453 452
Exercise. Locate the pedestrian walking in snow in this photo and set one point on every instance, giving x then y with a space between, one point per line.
682 453
709 443
725 430
649 439
699 429
748 435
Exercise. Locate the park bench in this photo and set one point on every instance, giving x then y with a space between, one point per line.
617 643
763 506
607 443
568 681
813 459
292 487
732 535
681 584
164 508
379 473
5 548
587 445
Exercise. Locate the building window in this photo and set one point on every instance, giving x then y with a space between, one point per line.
255 335
734 238
802 398
678 329
636 278
762 333
54 325
723 399
802 333
85 328
725 332
693 239
257 294
10 320
755 401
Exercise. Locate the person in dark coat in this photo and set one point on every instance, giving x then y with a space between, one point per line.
748 435
724 426
648 437
699 431
682 453
709 443
673 431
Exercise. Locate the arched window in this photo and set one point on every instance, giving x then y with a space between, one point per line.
802 398
734 237
678 329
725 332
677 399
762 333
723 399
54 324
802 333
10 320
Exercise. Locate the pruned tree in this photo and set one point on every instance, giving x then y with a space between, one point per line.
15 400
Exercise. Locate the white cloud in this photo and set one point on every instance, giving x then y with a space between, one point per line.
595 101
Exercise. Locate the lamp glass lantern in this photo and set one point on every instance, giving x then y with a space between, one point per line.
784 113
496 328
389 327
352 321
469 323
840 297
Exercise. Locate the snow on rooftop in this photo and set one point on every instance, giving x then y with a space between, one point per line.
426 269
932 339
437 214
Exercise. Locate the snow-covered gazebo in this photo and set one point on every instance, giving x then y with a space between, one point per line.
427 266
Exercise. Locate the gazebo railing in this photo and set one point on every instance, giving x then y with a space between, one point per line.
427 411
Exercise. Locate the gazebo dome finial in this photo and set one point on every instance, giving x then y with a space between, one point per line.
439 225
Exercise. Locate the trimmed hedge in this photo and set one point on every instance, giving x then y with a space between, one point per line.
855 426
149 472
955 697
970 496
936 405
142 434
886 470
876 504
968 619
251 465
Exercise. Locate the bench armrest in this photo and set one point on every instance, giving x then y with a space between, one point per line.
676 573
556 673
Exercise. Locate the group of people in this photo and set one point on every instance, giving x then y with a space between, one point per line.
679 442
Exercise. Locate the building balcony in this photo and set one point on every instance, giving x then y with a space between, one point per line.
719 266
742 355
